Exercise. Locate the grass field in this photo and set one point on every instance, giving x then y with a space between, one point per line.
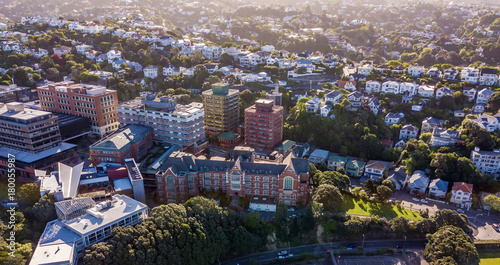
489 257
356 206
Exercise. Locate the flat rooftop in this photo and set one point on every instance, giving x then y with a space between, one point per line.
30 158
55 245
21 113
123 207
183 110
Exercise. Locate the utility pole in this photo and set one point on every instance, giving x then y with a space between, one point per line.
363 245
404 244
288 247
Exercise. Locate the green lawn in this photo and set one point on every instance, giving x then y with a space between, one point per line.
356 206
489 257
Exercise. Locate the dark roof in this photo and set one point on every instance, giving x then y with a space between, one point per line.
489 71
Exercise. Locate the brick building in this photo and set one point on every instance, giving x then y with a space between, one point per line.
182 176
133 141
264 125
96 103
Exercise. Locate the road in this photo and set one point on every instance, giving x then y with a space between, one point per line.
318 249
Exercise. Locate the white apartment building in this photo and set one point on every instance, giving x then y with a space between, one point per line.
488 162
470 74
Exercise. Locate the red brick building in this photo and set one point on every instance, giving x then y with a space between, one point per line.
96 103
264 125
182 176
133 141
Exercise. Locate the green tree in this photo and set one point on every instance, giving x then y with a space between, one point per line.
400 226
493 201
369 186
341 181
329 196
384 193
494 102
29 194
389 184
451 243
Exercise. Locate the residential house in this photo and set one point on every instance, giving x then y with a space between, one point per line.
450 74
365 69
318 156
39 52
398 177
347 85
488 77
488 162
483 95
355 99
313 105
331 63
434 73
211 67
336 162
416 71
373 86
375 105
326 109
390 87
408 132
151 71
470 92
113 55
478 108
418 181
430 123
470 74
375 169
91 54
438 188
101 58
81 49
333 97
166 40
267 48
426 91
443 137
409 89
461 194
354 168
62 50
398 70
117 64
443 91
487 122
259 58
393 118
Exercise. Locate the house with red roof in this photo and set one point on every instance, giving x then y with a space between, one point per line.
461 194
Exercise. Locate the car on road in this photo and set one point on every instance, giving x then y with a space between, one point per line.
280 257
291 209
327 251
424 201
283 253
460 211
495 226
416 199
353 245
398 246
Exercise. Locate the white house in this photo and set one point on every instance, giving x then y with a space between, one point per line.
113 55
418 181
355 99
91 54
433 73
416 71
443 137
39 52
365 69
101 58
487 122
151 71
375 169
408 132
390 87
313 104
373 86
488 77
483 95
426 91
443 91
267 48
393 118
488 162
461 194
408 88
62 50
81 49
470 92
262 204
333 97
326 109
470 74
374 105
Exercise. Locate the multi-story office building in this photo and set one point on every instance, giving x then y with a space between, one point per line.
221 109
488 162
182 176
96 103
264 125
172 123
81 223
132 141
15 93
28 130
32 137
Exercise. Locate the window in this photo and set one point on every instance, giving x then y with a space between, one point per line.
288 183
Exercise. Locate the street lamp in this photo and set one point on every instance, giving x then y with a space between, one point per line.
363 245
476 217
404 244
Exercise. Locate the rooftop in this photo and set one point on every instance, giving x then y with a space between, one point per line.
16 111
55 245
120 139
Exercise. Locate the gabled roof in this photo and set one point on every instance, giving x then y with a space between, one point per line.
439 184
464 187
409 127
337 159
377 165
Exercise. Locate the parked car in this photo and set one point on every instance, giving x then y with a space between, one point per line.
291 209
495 226
283 253
424 201
460 211
327 252
398 246
416 199
353 245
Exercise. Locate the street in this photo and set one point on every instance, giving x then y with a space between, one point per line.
317 250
